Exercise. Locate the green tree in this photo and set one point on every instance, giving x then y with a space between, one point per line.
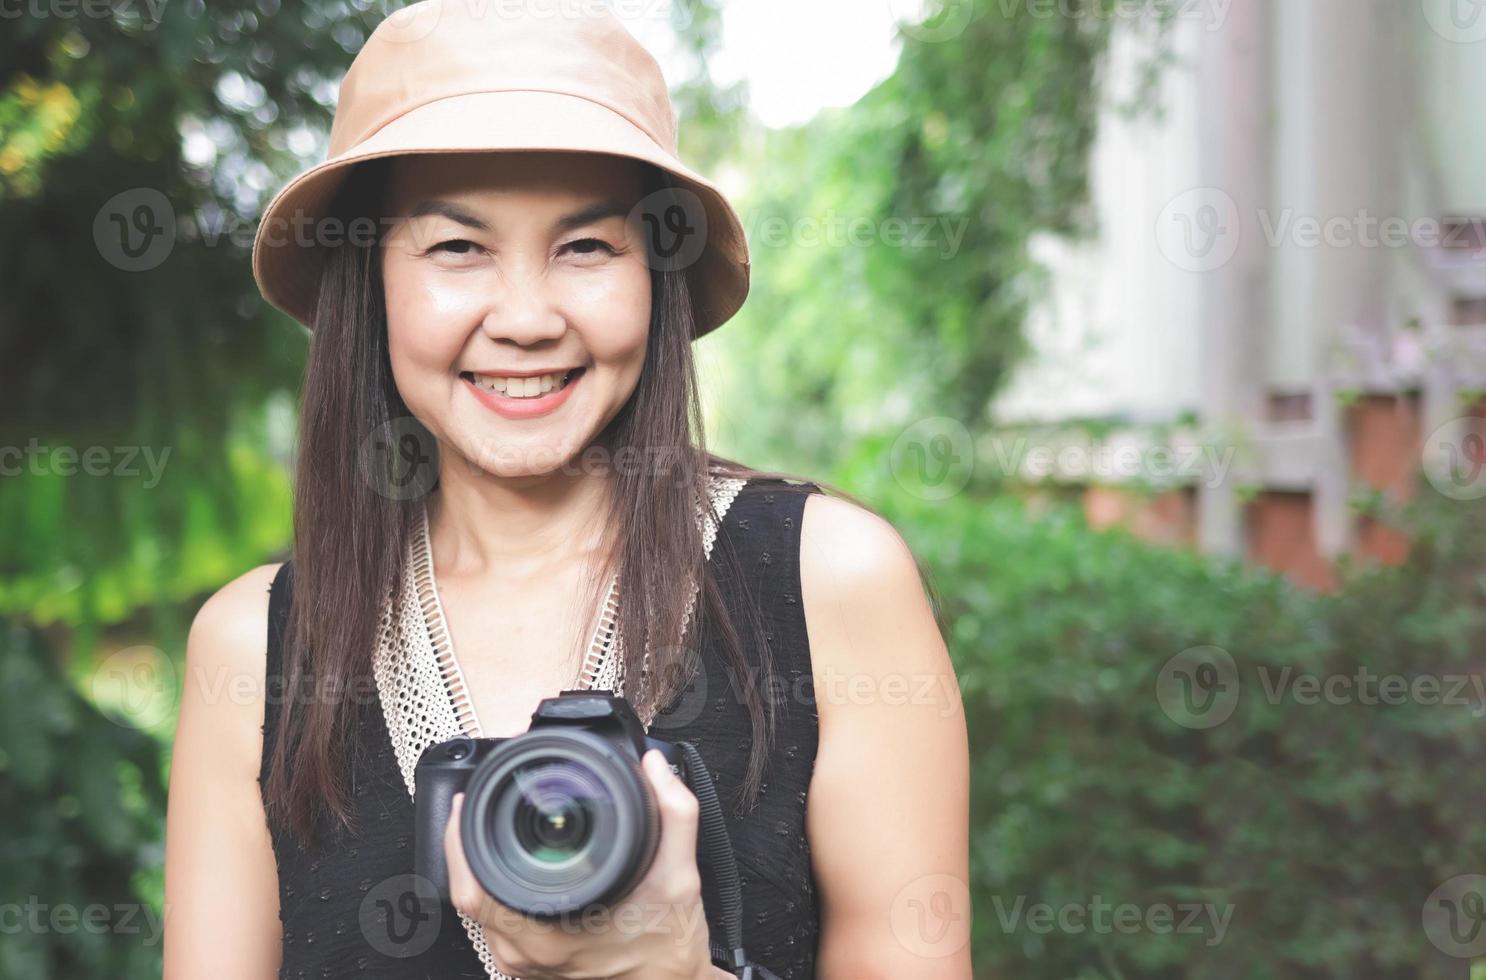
946 170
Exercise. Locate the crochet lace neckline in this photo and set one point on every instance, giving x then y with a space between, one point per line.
600 666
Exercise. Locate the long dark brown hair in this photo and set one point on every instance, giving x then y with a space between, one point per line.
350 534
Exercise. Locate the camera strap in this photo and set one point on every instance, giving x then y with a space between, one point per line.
718 847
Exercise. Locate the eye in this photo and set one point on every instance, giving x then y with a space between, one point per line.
591 246
454 246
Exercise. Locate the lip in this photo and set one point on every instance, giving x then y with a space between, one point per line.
524 408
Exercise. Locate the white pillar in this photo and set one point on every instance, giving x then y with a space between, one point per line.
1233 159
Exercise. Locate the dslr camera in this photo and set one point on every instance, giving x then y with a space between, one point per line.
557 819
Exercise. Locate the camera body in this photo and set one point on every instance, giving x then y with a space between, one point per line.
555 820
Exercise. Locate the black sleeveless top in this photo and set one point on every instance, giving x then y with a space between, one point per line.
347 902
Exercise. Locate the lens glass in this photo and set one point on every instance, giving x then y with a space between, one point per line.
554 819
554 813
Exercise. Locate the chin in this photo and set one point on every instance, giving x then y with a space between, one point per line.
509 459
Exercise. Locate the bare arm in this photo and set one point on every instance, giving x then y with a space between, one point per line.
888 818
221 883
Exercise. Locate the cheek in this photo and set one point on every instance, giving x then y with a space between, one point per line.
426 324
613 313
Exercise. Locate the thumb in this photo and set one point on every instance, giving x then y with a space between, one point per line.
678 812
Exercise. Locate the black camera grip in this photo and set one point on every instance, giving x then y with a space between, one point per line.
432 804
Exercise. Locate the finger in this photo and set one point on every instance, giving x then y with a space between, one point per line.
464 891
678 813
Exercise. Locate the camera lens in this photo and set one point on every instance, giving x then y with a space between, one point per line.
555 812
557 820
553 821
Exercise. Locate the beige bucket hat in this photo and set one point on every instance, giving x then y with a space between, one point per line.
447 76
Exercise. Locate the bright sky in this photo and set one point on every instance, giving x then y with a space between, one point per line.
801 57
797 57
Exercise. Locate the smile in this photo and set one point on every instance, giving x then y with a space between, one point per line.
523 387
523 398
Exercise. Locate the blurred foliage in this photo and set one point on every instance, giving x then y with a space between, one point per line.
84 803
712 115
188 112
890 239
1325 827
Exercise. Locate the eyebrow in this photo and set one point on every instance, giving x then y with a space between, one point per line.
586 215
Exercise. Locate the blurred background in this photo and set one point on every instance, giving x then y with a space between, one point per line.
1157 327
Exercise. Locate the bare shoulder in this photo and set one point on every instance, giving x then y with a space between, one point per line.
856 569
847 546
226 661
866 608
231 627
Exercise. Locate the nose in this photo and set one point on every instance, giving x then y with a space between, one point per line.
521 310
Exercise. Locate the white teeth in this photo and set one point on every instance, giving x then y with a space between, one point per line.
519 387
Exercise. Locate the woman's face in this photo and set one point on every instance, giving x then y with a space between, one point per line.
510 275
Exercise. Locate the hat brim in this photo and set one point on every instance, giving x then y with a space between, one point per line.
287 260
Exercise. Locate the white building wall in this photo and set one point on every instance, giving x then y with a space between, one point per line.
1378 110
1450 36
1118 335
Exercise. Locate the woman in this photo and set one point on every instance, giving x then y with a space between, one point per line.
502 493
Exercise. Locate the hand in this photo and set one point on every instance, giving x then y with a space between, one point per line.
658 931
